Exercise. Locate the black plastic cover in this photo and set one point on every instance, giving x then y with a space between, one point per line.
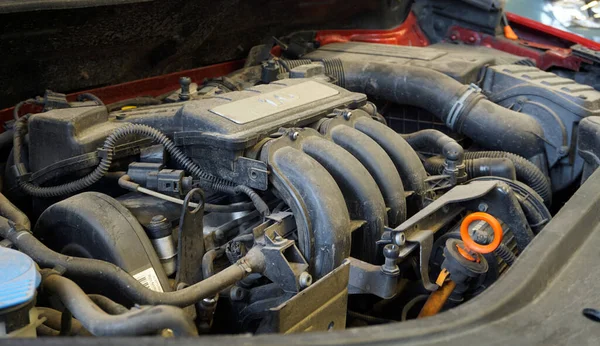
94 225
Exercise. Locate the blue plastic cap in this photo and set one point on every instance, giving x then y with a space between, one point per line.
19 278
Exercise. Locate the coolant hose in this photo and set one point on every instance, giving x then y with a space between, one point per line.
462 108
143 321
207 181
131 288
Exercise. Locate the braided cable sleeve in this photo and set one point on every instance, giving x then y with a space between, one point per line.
207 181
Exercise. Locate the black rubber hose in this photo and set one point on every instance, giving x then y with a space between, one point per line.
228 208
207 181
144 321
108 305
131 288
483 167
136 102
425 140
44 330
527 172
487 123
222 232
208 261
54 320
14 214
488 166
90 97
21 104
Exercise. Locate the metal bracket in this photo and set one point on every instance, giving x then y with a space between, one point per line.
321 307
191 240
369 278
423 239
284 264
493 195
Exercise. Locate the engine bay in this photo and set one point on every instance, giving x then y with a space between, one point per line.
359 184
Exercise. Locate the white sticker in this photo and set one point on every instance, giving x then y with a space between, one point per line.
149 279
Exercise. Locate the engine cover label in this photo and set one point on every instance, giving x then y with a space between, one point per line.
264 105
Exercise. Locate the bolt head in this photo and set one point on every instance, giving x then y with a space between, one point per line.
294 135
482 206
347 115
158 218
305 280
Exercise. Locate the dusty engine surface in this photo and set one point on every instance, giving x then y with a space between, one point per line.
282 199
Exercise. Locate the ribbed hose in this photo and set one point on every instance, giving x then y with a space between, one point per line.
527 172
59 190
504 252
474 168
207 181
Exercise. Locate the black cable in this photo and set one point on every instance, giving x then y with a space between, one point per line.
90 97
207 181
527 172
411 304
368 318
65 323
21 104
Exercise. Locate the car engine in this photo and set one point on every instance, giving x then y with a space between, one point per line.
356 184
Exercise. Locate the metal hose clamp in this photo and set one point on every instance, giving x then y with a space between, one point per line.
459 105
